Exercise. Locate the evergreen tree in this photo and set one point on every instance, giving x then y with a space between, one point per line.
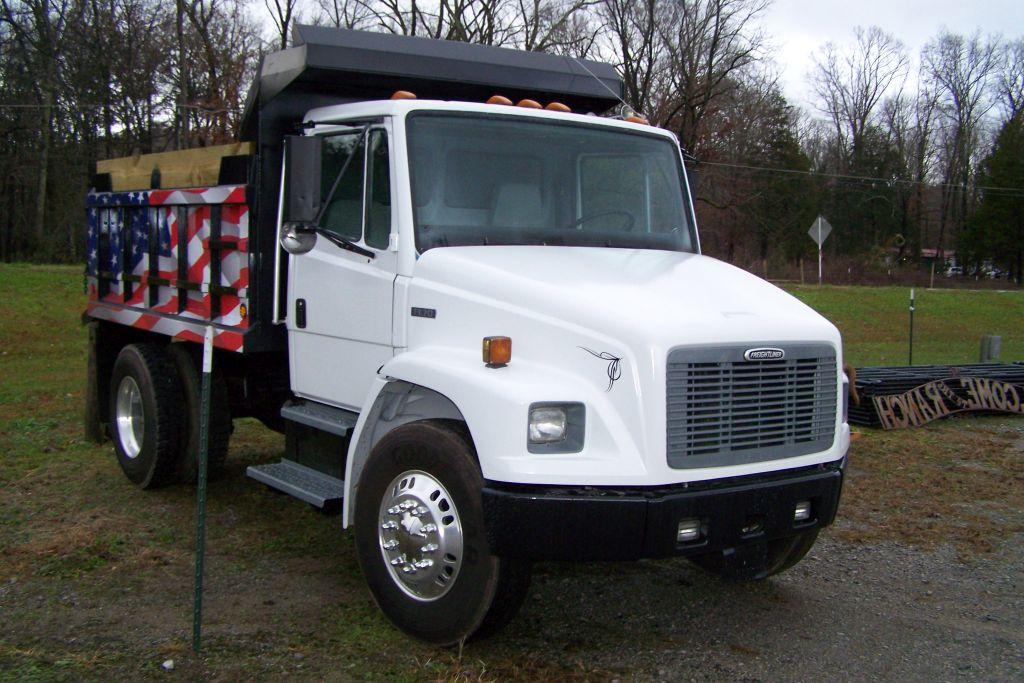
997 228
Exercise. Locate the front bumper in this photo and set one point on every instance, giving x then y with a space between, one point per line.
560 523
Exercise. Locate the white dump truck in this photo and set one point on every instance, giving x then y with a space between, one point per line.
475 303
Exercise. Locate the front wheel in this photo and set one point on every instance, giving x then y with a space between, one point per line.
421 540
775 557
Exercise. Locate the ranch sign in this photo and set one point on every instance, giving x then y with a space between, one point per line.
944 397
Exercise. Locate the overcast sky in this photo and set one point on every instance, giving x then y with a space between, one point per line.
798 27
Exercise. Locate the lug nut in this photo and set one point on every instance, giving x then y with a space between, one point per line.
389 525
423 564
429 548
428 528
391 545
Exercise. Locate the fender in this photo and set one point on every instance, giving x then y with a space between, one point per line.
452 383
393 402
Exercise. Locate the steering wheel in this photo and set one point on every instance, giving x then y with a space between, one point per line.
626 226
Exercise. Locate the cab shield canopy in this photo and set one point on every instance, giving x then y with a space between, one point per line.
331 65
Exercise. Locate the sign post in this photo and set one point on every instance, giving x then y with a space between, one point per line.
819 232
910 345
204 444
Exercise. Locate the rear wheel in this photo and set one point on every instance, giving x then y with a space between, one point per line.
778 556
421 540
145 404
187 360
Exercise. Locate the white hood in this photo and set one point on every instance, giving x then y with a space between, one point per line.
657 296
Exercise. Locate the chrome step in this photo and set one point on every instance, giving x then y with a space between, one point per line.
304 483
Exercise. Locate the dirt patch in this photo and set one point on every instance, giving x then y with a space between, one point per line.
960 482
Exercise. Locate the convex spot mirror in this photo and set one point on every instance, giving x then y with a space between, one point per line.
295 239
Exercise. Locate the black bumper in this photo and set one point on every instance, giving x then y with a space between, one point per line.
560 523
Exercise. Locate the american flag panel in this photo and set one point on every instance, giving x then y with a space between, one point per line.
135 245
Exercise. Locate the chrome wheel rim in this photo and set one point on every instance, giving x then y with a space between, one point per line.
420 535
131 426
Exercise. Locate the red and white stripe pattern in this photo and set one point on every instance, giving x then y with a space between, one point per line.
115 211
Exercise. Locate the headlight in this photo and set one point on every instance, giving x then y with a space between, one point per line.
556 428
548 425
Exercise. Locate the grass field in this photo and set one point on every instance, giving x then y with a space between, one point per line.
95 576
948 323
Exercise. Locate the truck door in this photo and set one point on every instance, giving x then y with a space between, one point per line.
339 301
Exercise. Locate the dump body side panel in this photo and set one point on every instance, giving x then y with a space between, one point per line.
172 262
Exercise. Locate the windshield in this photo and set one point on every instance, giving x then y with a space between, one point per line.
488 180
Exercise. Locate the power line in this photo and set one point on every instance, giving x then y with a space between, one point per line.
1013 191
196 107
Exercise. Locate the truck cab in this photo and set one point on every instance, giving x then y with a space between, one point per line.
503 344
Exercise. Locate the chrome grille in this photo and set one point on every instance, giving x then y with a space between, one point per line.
724 410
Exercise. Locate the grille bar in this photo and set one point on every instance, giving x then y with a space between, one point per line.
723 410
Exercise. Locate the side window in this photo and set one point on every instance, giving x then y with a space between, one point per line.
378 204
344 214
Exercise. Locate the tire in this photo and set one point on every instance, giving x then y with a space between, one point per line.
780 555
187 360
146 428
420 474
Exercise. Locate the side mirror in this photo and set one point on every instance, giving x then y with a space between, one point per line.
297 240
302 171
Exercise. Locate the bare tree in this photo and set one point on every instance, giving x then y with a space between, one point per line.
37 27
552 25
1011 78
281 13
708 43
851 82
344 13
636 47
961 70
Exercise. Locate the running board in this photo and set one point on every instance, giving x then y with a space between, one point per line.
319 416
316 488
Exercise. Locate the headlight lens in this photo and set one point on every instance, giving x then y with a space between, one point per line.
548 424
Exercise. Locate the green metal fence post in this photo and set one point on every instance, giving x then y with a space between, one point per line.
910 345
204 443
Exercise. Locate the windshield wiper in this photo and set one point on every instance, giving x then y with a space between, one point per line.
332 237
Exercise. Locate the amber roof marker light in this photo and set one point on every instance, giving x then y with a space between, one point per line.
529 104
558 106
498 99
403 95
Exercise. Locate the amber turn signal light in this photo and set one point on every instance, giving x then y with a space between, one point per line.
497 351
